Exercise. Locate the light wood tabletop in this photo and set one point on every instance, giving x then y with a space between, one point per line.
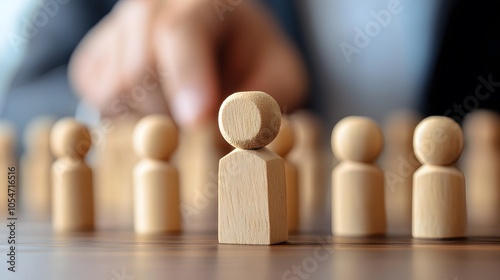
119 255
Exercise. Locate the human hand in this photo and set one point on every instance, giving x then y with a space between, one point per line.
197 58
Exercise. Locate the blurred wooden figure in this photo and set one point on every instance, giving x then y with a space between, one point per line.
358 184
282 145
198 155
114 172
439 209
7 159
313 168
252 190
482 170
72 190
399 165
156 181
36 163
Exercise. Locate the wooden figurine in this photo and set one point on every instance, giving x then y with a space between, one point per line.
7 160
399 164
358 184
114 172
282 145
439 209
482 172
36 163
252 190
198 158
156 181
72 190
314 168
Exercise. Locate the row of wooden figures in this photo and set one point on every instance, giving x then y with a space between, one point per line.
253 186
251 195
257 204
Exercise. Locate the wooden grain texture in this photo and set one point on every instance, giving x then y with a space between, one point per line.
72 189
249 120
252 198
292 196
252 183
439 204
116 254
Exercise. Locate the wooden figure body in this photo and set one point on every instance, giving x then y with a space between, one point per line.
439 196
358 197
7 160
439 206
482 166
36 164
114 173
282 145
292 197
252 191
198 155
399 164
156 195
252 198
357 184
156 181
313 168
72 189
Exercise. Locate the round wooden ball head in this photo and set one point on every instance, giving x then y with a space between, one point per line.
70 138
284 141
438 141
249 120
357 139
155 137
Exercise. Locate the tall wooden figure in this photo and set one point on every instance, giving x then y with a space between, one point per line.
72 189
358 184
156 181
282 145
439 209
252 191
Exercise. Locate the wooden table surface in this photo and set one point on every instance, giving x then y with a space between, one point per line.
124 256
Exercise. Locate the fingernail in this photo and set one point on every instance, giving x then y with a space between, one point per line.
188 106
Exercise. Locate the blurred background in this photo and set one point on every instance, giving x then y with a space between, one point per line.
363 58
10 14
